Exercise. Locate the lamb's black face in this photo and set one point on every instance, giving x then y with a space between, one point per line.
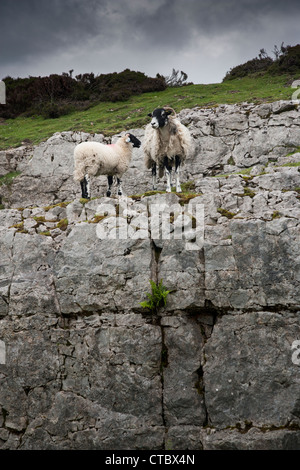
136 142
159 117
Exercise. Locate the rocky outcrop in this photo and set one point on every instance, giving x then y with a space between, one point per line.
84 366
228 138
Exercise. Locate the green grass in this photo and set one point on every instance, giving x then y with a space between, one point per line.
188 193
110 118
292 164
297 150
8 178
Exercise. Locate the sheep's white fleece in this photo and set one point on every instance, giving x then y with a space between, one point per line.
94 158
170 140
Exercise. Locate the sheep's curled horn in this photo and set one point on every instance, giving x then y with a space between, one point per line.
167 108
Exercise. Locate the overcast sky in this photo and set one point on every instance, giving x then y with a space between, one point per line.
201 37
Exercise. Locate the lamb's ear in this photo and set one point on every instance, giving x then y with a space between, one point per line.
150 114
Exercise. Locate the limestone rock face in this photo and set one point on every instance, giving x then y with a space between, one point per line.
84 366
228 138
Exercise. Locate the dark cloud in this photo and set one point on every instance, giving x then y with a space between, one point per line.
178 20
105 34
36 27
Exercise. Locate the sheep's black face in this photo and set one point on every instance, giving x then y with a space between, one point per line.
136 142
159 117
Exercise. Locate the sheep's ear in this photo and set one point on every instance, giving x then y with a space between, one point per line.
168 113
150 114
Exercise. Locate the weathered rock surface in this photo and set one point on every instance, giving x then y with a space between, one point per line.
227 138
84 366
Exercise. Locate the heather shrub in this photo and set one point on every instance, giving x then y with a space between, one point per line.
56 95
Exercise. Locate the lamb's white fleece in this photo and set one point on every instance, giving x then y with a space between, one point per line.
94 158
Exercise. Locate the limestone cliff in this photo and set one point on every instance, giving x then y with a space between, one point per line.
84 366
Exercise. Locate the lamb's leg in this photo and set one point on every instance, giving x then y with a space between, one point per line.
85 187
177 168
119 182
154 183
88 186
110 182
168 171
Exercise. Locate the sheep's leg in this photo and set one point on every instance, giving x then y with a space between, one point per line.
110 182
168 171
88 186
154 183
119 182
177 168
85 187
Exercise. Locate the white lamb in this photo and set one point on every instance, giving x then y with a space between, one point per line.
167 144
94 159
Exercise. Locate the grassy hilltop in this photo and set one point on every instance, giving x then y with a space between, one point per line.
241 84
112 117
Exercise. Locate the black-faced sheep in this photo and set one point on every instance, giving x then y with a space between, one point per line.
167 144
94 159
